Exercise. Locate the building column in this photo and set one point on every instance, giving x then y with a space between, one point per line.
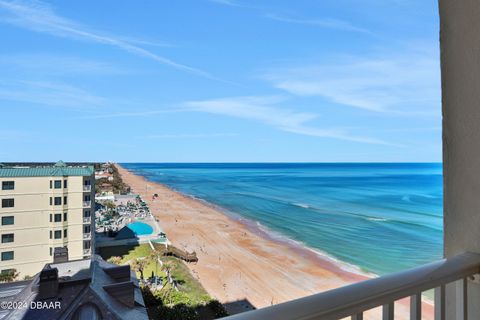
460 64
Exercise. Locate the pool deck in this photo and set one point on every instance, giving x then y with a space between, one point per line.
105 241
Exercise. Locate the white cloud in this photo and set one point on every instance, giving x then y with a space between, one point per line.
329 23
394 83
146 113
262 109
17 135
190 135
49 64
226 2
38 16
48 93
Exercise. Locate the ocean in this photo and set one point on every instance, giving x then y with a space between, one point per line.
377 217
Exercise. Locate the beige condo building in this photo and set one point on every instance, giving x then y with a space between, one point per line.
44 208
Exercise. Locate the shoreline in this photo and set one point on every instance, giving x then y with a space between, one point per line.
240 260
263 231
271 235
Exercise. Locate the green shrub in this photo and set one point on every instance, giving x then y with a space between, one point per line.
217 308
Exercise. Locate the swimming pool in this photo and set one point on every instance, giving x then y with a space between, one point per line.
140 228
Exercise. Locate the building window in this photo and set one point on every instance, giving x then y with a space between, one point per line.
86 229
58 201
9 220
86 198
51 250
51 234
7 255
51 217
8 203
65 200
65 233
86 244
58 217
58 184
7 271
65 216
7 238
86 182
8 185
51 182
86 214
65 184
58 234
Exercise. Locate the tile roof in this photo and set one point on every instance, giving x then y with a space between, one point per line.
53 171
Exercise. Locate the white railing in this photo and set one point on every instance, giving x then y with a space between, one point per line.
353 300
86 251
87 204
87 188
87 235
87 219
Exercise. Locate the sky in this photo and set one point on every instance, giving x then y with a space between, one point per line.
220 81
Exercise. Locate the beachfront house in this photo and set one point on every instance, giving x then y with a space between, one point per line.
455 279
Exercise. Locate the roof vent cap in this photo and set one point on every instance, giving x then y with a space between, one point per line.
60 164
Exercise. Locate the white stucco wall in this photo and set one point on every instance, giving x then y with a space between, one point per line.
460 60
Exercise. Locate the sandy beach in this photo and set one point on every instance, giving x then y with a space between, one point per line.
239 265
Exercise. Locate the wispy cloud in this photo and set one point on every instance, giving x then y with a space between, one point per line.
264 110
48 93
40 17
151 43
146 113
408 82
51 64
329 23
191 135
16 135
226 2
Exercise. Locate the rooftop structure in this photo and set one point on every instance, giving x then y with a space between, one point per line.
81 289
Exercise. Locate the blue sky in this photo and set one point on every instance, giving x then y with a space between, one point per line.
220 81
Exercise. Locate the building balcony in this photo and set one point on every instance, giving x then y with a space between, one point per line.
87 188
87 204
87 251
353 300
87 236
87 219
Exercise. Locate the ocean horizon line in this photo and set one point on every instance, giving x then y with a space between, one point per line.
279 162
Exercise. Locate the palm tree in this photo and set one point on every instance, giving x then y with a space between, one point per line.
155 256
9 276
115 260
139 265
167 267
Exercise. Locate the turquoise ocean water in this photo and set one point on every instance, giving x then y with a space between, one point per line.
379 217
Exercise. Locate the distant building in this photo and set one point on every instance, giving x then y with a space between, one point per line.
43 208
101 174
82 289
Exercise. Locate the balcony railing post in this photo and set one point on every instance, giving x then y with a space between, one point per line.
388 311
416 307
440 303
461 299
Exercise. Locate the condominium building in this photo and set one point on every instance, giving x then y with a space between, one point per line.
44 208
